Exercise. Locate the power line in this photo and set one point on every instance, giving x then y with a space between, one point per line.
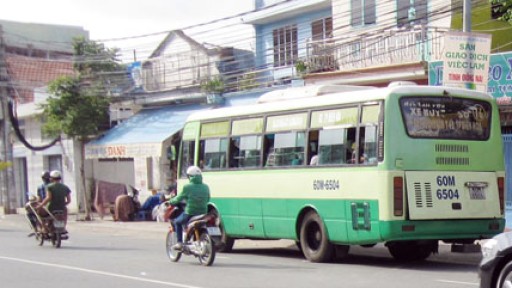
240 38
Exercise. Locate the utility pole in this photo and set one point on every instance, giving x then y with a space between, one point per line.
466 20
7 198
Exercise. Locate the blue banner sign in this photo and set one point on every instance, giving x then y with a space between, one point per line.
499 81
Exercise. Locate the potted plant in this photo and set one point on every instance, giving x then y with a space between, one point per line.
301 67
213 87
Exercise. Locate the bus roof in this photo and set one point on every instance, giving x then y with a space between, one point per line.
366 94
307 91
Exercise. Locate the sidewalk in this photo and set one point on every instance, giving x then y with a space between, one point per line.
150 228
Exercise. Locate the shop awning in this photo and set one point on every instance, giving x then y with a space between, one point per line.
141 135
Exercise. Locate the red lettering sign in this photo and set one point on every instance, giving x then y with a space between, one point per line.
116 151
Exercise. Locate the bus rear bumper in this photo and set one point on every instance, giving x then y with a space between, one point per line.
447 230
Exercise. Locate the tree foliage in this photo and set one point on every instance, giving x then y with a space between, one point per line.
78 105
503 8
72 111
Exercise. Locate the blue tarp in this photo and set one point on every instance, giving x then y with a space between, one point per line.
141 134
149 126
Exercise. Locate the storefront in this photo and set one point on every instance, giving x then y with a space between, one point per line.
135 152
138 151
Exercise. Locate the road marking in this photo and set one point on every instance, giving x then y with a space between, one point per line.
99 272
458 282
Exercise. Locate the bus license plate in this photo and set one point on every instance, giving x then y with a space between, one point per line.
477 193
213 231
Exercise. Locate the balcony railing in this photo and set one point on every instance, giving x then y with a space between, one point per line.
419 43
383 48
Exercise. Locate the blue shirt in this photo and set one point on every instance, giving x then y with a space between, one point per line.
151 202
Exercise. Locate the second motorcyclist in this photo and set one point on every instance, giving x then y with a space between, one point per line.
196 194
58 195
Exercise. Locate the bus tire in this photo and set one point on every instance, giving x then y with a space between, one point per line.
226 242
314 240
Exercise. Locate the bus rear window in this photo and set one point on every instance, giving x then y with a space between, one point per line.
446 118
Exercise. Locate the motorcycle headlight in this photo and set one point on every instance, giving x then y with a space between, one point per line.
489 250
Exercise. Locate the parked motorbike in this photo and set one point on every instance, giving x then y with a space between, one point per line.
197 238
50 227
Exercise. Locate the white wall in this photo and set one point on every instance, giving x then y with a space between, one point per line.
37 160
386 17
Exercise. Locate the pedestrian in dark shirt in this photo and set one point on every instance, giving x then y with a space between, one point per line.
58 195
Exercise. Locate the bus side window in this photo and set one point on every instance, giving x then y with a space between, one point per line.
268 148
214 154
358 149
234 152
289 148
368 134
313 147
187 157
368 144
250 151
335 146
351 146
201 154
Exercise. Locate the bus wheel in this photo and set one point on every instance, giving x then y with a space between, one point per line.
314 241
226 242
412 250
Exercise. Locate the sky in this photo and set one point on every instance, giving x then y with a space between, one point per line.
115 19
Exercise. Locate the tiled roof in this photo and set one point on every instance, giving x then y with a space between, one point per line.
28 73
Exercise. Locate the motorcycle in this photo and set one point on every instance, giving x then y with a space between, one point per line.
197 237
51 227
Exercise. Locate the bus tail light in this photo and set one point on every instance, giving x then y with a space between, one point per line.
501 193
398 196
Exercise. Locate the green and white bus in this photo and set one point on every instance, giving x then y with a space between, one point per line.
404 165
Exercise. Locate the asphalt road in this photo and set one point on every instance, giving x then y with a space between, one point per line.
111 254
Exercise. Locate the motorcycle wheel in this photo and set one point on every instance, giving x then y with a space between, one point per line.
56 240
39 238
172 239
207 255
39 235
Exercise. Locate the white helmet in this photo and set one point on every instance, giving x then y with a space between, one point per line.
193 171
55 174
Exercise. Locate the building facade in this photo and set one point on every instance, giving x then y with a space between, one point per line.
173 84
36 54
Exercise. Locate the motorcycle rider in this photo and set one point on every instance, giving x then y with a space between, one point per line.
58 195
41 190
196 194
32 200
